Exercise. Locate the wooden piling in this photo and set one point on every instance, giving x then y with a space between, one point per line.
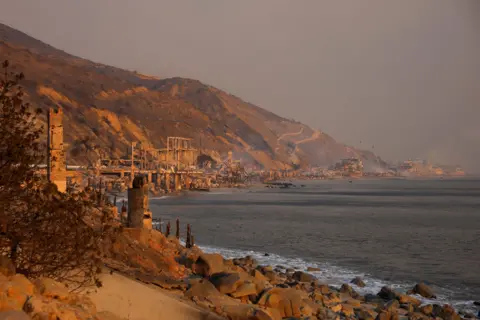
177 232
167 232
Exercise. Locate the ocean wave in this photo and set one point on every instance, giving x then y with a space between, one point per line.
336 276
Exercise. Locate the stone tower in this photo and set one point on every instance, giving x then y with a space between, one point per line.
139 216
57 170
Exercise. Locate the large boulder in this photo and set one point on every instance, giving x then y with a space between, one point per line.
406 299
387 293
423 290
246 312
288 302
245 289
202 289
303 277
226 282
208 264
258 275
358 282
387 315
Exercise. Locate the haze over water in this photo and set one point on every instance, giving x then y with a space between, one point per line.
395 232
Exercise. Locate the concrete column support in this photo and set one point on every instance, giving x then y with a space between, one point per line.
167 182
177 182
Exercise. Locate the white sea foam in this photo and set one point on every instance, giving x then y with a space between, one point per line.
336 276
160 198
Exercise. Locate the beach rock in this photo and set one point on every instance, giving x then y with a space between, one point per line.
322 288
225 282
271 276
423 290
288 302
406 299
52 289
258 275
7 268
245 289
391 305
202 289
331 298
336 308
13 315
303 276
245 312
426 309
208 264
353 302
327 314
364 315
448 313
313 269
387 293
347 310
418 316
267 269
19 288
387 315
358 282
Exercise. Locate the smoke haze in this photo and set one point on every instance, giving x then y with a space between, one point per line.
402 76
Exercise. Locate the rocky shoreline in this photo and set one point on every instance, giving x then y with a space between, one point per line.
235 289
280 293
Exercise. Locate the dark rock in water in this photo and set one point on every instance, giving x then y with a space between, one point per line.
387 293
358 282
303 276
477 303
266 255
423 290
290 270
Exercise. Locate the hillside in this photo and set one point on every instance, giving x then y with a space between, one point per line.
106 108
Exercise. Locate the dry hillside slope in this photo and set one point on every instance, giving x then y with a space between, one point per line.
106 108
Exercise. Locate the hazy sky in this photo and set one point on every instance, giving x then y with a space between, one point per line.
403 75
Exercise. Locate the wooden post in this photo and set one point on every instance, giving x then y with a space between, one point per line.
177 233
188 242
167 232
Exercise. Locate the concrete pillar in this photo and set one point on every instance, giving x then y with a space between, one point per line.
139 216
56 163
124 215
188 182
177 182
167 182
149 177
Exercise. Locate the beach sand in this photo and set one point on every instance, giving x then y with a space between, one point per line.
133 300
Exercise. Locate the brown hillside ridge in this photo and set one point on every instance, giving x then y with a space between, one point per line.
107 108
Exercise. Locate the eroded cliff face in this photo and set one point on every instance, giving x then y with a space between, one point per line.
106 108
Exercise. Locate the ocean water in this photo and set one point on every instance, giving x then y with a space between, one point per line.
392 232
